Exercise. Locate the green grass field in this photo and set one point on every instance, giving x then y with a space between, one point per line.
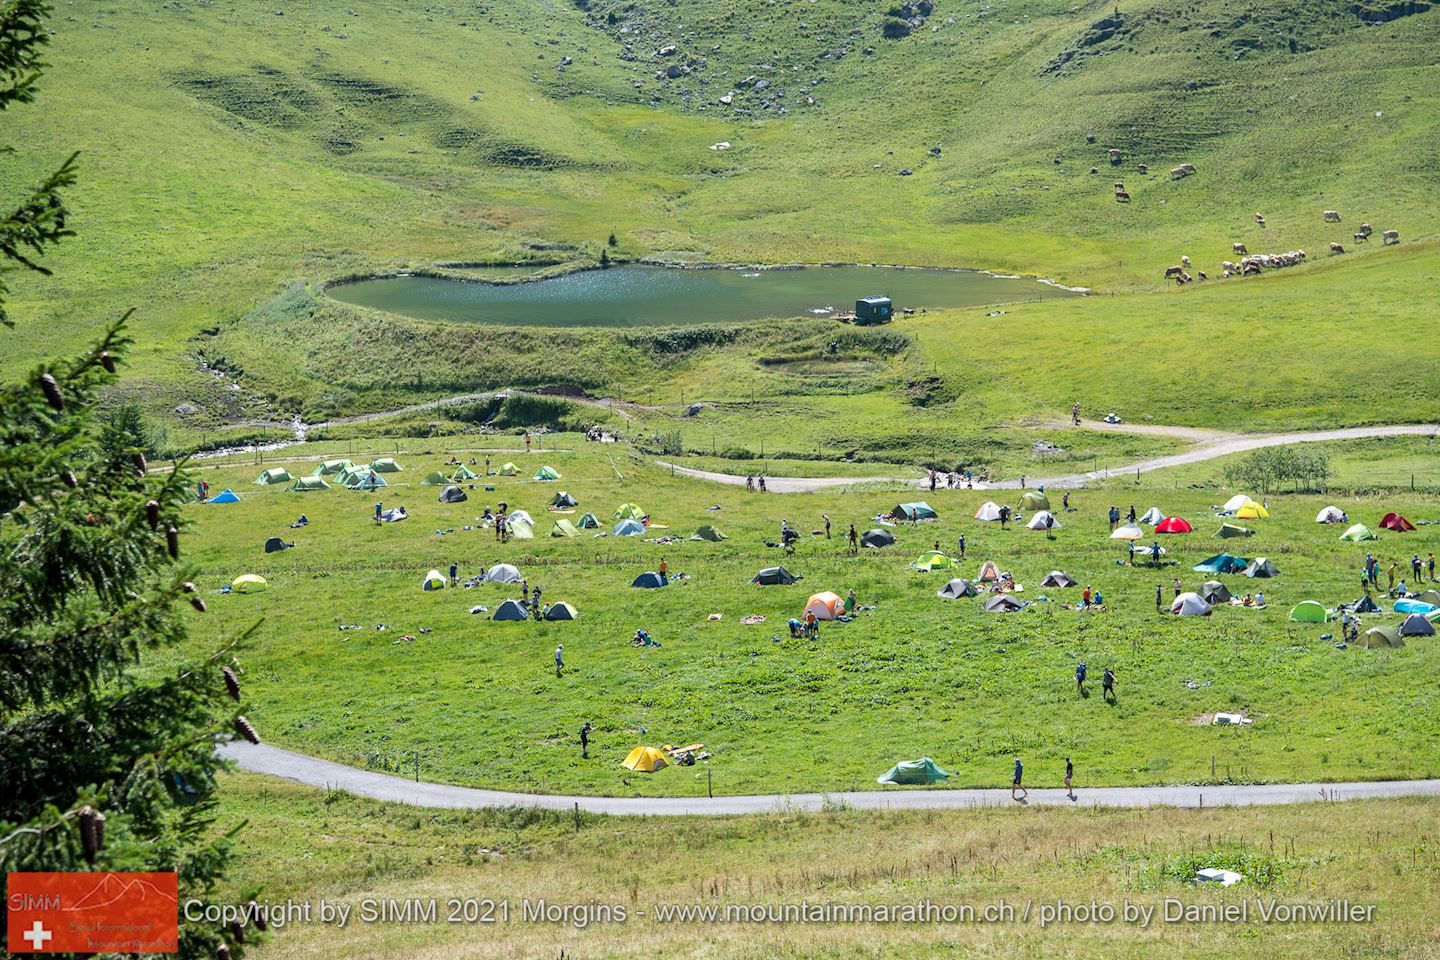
479 701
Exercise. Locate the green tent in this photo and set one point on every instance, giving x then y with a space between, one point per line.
588 521
1359 532
509 470
561 611
363 478
708 532
463 472
547 473
1379 637
386 465
919 510
1231 530
1309 611
922 771
305 484
274 475
349 475
564 528
1035 501
1220 563
934 560
331 467
629 511
435 479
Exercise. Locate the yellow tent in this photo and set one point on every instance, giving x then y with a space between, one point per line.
629 511
645 760
509 470
249 583
1252 511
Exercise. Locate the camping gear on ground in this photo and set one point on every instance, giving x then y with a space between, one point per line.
1044 520
1261 568
386 465
919 510
511 610
774 576
1363 605
877 538
502 573
275 545
394 515
434 479
1417 625
1414 606
1034 501
563 499
989 511
307 485
249 583
1174 525
1393 521
1231 720
1252 511
645 760
825 606
1213 591
561 611
1059 578
274 475
331 467
1228 530
1190 605
648 580
1128 532
564 528
434 580
509 470
629 511
224 496
709 533
1331 515
1152 516
1377 637
909 772
1149 550
1359 532
453 495
1220 563
956 589
1003 603
1309 611
547 473
628 528
932 560
989 573
588 521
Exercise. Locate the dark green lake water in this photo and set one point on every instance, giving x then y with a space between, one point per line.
644 296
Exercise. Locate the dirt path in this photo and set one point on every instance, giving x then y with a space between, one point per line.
1215 445
325 774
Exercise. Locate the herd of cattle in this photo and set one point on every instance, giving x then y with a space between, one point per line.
1251 264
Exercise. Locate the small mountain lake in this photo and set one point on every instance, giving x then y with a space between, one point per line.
649 296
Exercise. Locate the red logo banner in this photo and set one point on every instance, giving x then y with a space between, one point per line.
92 913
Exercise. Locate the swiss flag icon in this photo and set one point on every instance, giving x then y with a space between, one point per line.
92 913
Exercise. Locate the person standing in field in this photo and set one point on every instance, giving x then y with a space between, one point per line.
1015 783
960 543
762 483
664 571
585 741
1107 683
826 518
1080 677
1159 596
559 659
1430 563
454 573
1114 518
1069 777
527 441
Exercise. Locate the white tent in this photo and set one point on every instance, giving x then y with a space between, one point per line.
502 573
1331 515
1236 502
1044 520
989 510
1190 605
521 516
988 572
1152 516
1127 532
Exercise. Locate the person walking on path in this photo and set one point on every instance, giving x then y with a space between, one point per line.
1069 777
961 544
762 483
585 741
749 483
854 541
1107 683
826 518
1015 783
559 659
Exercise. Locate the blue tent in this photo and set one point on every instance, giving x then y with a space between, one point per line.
225 496
1221 563
1414 606
511 610
628 528
649 581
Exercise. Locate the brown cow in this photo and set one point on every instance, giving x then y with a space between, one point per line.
1239 248
1336 248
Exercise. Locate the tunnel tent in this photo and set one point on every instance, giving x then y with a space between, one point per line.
1003 603
329 468
1174 525
511 610
588 521
1059 578
1414 606
1378 637
708 532
307 485
648 581
919 510
1035 500
463 473
629 511
877 538
509 470
1152 516
564 528
914 773
452 494
1190 605
645 760
225 496
434 580
547 473
774 576
1309 611
1397 523
1359 532
272 476
1213 591
1128 532
989 573
386 465
1220 563
1331 515
1261 568
275 545
1228 531
826 605
932 560
435 479
1417 625
989 511
369 481
628 528
563 499
957 588
561 610
502 573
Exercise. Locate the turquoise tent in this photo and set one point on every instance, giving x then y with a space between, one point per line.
225 496
920 510
922 771
1220 563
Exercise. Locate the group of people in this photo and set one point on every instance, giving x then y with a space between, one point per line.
752 482
1370 575
1017 780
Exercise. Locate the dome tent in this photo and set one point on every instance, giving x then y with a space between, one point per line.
1397 523
1331 515
1174 525
561 611
932 560
1417 625
1261 568
452 494
826 605
1309 611
629 511
1213 591
434 580
308 485
1035 501
1152 516
1190 605
645 760
919 510
774 576
1359 532
708 532
434 479
588 521
1044 520
877 538
275 545
648 580
224 496
564 528
989 573
274 475
1128 532
1059 578
331 467
249 583
509 470
386 465
1377 637
547 474
989 511
563 499
956 589
1220 563
1003 603
1230 530
628 528
1252 511
463 473
502 573
511 610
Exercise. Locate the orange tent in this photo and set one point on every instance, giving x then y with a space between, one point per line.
825 606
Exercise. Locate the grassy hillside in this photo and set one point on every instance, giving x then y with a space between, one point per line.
232 149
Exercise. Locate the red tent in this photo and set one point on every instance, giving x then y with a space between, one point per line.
1173 525
1393 521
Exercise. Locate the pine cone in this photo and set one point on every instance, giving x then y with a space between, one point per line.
107 361
172 542
92 832
222 952
51 389
237 931
246 730
69 480
152 514
258 915
138 459
232 683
